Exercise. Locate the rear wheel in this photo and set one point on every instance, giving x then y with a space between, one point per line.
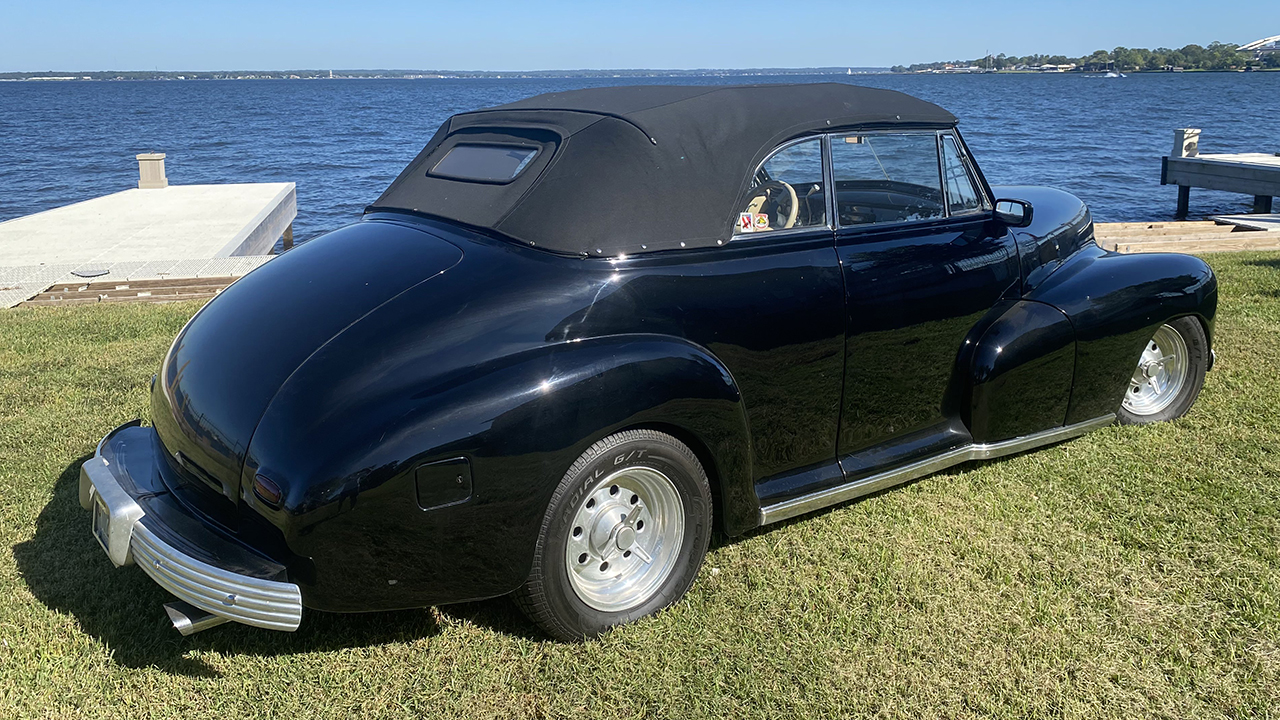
1169 375
623 536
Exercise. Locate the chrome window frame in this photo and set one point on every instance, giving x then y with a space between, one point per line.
824 158
984 203
827 141
946 210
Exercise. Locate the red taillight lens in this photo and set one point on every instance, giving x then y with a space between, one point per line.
265 488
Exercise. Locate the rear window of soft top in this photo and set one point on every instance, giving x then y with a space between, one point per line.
484 162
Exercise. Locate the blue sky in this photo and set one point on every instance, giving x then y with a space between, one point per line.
564 34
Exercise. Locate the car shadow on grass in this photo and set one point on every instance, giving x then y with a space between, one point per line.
499 615
1269 262
68 572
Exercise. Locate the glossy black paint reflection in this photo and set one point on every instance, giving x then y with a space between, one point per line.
519 360
1061 225
232 358
787 363
913 295
1115 303
1021 373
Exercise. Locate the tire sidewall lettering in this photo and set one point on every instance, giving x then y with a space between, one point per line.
684 474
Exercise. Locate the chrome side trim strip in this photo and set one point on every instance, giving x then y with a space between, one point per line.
249 600
831 496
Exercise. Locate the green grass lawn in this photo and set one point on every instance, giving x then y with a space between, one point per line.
1132 573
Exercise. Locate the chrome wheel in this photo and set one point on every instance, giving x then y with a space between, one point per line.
1161 373
625 539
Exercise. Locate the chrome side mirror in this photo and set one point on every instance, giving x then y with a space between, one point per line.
1014 213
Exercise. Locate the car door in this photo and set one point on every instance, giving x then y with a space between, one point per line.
778 326
924 263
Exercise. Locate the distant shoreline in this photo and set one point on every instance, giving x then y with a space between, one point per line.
55 77
121 75
1187 71
1214 57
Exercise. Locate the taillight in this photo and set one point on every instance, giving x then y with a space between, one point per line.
266 489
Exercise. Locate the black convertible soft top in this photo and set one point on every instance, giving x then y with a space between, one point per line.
616 170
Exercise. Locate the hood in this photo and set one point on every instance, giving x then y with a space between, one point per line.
231 359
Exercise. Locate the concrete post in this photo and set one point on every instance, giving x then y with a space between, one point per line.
1186 142
151 171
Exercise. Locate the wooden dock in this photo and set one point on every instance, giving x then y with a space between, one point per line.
161 290
1256 174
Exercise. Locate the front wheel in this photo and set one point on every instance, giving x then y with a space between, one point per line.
623 536
1169 375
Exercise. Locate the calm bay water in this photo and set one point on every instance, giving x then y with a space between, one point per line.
343 141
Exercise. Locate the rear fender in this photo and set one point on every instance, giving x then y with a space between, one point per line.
519 422
560 400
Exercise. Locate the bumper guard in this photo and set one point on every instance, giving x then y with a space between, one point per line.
121 525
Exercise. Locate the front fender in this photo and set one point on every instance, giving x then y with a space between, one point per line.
1060 226
1020 373
1115 303
520 421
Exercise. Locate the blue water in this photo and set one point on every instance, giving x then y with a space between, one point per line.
343 141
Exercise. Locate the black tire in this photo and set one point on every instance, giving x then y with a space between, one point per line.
1197 345
548 597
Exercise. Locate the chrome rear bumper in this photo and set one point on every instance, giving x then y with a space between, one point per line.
123 529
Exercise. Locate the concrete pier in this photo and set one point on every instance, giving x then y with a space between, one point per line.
175 231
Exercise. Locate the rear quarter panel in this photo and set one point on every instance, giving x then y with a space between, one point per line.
497 378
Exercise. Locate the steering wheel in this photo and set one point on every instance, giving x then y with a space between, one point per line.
774 191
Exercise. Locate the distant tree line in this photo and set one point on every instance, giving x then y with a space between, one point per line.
1217 56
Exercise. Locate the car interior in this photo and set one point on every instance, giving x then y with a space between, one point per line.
861 202
878 179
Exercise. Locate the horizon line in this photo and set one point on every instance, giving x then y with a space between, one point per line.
442 71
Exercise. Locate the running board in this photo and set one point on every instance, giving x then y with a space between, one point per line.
866 486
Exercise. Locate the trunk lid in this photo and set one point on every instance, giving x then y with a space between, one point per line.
230 360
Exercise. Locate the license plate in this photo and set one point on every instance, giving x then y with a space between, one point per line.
101 519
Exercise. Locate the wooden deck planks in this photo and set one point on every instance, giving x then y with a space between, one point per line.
1186 237
151 291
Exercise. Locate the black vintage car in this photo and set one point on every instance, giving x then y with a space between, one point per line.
581 330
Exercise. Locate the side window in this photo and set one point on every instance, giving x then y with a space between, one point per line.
962 193
886 178
786 192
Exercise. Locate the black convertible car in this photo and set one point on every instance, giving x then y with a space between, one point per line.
582 329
